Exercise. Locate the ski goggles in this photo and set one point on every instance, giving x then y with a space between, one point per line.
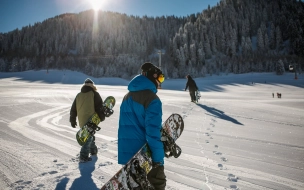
161 78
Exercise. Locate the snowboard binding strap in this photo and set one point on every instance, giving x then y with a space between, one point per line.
171 148
108 112
92 128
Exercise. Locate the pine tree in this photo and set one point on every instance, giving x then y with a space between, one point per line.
272 38
193 53
260 40
280 67
278 37
2 65
266 43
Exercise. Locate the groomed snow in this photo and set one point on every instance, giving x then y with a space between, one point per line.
237 137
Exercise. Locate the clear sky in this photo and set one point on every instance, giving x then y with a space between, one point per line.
18 13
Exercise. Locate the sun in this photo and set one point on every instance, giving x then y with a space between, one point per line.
96 4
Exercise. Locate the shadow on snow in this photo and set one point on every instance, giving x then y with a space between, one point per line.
85 180
219 114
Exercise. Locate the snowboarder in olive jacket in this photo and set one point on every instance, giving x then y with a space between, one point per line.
86 103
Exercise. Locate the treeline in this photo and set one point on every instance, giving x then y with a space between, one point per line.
237 36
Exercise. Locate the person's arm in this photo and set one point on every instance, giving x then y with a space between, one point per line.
98 105
153 125
73 114
187 84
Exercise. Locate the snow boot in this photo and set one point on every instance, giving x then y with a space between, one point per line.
84 160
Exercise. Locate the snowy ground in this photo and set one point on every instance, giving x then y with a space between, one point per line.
237 137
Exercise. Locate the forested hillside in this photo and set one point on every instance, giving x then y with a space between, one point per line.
237 36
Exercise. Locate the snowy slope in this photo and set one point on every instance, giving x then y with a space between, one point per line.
237 137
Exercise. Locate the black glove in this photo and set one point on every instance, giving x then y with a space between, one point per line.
74 124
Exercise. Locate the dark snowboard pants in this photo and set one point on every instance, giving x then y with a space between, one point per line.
192 95
157 178
88 147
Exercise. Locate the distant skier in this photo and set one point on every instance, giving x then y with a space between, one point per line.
86 103
192 88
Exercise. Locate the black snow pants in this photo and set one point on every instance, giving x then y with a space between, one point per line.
192 95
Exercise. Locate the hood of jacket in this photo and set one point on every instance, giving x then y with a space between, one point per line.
85 89
141 82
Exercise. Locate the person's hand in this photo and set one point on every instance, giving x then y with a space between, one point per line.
74 124
156 164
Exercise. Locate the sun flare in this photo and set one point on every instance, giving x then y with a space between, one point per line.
96 4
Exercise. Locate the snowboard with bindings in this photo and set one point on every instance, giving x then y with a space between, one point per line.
91 125
197 95
134 174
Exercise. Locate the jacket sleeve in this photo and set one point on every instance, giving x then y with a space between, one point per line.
187 84
153 125
98 104
73 112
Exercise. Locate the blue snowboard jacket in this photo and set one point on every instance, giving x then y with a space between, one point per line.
140 121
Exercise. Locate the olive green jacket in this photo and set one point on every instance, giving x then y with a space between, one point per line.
86 103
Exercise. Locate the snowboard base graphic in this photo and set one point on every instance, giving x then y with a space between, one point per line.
134 174
92 124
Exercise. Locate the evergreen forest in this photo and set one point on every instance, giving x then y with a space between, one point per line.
235 36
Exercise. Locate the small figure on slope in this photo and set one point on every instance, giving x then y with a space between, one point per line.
192 88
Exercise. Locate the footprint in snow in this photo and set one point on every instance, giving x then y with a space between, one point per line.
232 177
217 153
52 172
75 159
220 166
103 146
105 164
21 184
234 187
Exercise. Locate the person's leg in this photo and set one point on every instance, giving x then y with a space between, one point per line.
192 94
93 148
157 178
85 149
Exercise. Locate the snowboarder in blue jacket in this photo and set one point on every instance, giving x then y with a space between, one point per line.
140 122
